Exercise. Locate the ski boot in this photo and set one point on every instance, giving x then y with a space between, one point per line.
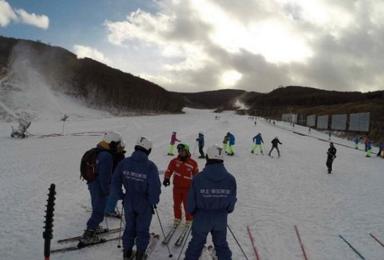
113 214
188 223
127 254
89 237
140 254
176 222
101 230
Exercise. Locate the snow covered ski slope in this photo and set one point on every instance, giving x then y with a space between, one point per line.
274 194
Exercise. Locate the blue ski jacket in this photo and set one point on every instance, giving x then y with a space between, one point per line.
258 139
104 166
213 189
200 140
140 178
231 139
369 146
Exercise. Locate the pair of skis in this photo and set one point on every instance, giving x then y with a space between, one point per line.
154 239
181 238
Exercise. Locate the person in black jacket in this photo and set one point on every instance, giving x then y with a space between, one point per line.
331 156
275 143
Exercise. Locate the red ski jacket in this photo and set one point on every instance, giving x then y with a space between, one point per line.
183 172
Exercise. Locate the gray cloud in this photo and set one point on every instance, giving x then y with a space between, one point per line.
345 39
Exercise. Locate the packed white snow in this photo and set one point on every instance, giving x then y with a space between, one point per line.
274 194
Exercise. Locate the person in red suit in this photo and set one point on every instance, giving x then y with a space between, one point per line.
183 168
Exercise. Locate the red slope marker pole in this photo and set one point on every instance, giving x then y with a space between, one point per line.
378 241
253 243
301 243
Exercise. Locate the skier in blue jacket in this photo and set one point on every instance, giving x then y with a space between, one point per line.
231 139
200 142
99 188
211 198
140 178
258 140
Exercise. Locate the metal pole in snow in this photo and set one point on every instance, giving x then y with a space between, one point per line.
362 257
301 243
253 243
378 241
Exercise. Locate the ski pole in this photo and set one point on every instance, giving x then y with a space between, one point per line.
106 221
378 241
121 223
185 241
253 243
122 214
357 252
162 230
237 242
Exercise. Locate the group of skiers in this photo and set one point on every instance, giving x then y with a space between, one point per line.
368 147
207 196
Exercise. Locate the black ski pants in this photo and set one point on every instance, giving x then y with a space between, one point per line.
201 151
273 147
329 163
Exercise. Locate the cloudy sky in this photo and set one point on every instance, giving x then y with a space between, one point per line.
196 45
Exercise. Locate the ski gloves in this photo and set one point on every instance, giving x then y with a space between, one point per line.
166 182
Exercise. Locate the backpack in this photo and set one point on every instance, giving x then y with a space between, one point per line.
88 165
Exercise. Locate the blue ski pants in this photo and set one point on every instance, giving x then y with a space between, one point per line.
214 222
138 217
98 200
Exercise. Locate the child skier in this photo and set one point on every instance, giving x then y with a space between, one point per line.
357 140
173 141
369 148
258 140
225 143
231 139
200 141
111 200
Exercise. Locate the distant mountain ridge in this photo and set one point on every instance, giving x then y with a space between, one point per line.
105 88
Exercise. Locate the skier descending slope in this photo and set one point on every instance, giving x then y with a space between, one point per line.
258 140
211 198
275 143
141 181
331 156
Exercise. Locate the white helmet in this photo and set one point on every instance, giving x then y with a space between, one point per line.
215 152
144 142
112 137
201 132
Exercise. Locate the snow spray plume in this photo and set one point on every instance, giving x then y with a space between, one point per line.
31 64
48 233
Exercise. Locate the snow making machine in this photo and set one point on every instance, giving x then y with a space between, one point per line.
21 131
